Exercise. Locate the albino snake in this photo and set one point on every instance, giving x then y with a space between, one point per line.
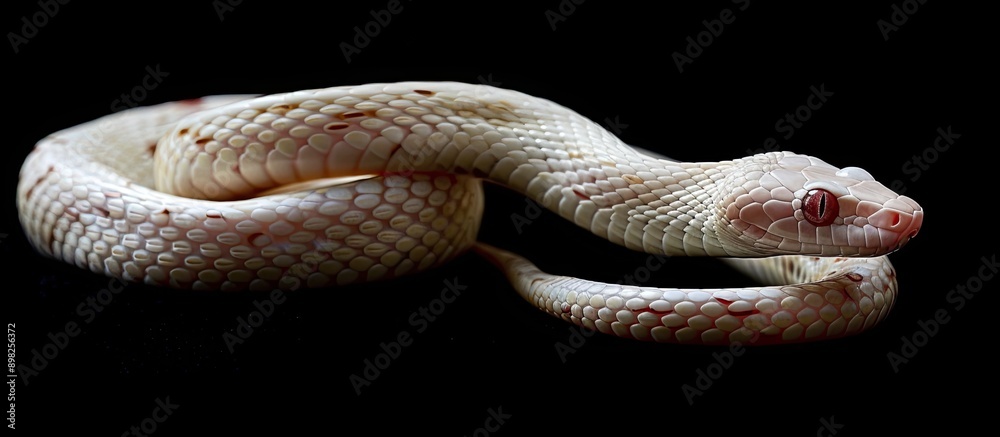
353 184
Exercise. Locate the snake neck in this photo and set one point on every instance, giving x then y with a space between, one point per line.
660 206
668 208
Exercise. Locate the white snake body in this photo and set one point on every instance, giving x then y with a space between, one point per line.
354 184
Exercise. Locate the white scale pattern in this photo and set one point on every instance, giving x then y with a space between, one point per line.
354 184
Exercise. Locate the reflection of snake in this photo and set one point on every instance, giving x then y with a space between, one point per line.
413 153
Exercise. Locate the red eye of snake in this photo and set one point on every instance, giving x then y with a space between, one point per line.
820 207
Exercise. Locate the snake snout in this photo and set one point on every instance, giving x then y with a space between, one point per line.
912 230
899 220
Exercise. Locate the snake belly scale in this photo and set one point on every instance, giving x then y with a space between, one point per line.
353 184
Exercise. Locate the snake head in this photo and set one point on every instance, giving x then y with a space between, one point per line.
781 203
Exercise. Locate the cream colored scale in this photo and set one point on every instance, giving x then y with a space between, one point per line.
353 184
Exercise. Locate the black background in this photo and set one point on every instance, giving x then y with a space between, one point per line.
489 349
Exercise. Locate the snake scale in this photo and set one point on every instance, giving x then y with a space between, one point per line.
352 184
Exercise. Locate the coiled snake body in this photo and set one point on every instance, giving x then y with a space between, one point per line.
352 184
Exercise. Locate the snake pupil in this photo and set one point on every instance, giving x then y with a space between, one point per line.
820 207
